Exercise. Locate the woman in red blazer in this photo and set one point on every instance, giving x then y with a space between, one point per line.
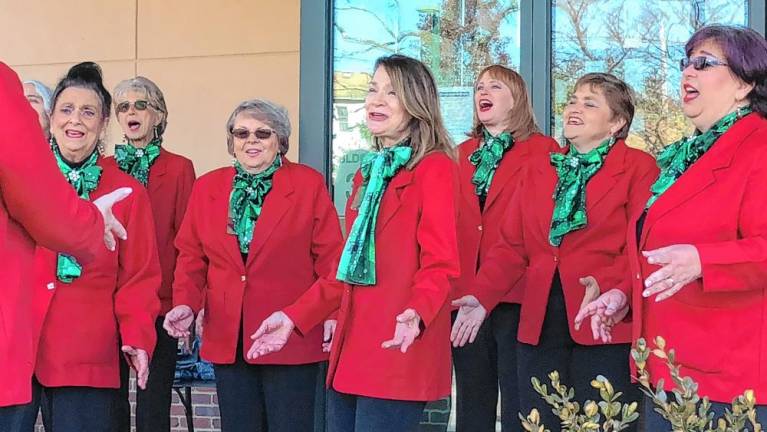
394 275
503 138
104 306
597 184
255 237
25 217
702 247
143 116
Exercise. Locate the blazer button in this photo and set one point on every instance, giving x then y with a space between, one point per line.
556 258
639 276
479 227
51 285
243 278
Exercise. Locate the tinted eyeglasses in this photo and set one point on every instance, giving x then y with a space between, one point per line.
260 133
139 105
700 63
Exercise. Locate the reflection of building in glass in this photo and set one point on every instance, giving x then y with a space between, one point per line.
457 105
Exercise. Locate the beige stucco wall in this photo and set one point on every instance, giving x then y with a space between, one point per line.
206 56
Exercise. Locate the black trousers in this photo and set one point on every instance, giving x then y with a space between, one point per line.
352 413
484 367
67 409
152 404
261 398
577 364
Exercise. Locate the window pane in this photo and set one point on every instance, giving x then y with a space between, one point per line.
455 38
640 42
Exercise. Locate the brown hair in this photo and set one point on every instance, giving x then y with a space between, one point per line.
619 96
521 122
417 91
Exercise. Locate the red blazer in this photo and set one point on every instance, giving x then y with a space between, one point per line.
36 205
479 230
614 194
717 324
297 238
416 258
169 186
114 302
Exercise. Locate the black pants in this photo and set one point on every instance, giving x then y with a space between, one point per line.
486 365
260 398
67 409
351 413
152 404
577 364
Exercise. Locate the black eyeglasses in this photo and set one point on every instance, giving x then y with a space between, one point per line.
700 63
260 133
139 105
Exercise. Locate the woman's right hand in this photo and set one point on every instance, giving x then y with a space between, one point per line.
605 310
112 226
271 336
178 321
470 316
328 331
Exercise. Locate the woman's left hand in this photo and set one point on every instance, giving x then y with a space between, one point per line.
139 361
407 329
680 265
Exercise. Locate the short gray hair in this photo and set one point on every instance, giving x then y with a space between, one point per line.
153 95
274 115
44 91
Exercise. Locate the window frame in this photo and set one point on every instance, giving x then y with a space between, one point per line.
316 71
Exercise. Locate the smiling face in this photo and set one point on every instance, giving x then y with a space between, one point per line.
493 101
77 122
137 124
254 154
386 116
588 119
711 93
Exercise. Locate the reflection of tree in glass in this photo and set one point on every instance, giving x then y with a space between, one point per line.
641 42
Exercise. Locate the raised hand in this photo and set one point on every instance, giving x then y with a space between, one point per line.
405 332
470 316
112 227
139 361
605 310
178 321
680 265
271 336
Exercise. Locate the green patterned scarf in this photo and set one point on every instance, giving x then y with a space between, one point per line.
84 179
137 161
675 159
487 157
247 199
574 171
358 260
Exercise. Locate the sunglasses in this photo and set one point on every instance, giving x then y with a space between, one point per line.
261 133
139 105
700 63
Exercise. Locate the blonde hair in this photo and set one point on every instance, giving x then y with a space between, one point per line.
521 121
417 92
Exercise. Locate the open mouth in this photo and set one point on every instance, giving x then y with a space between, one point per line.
484 105
377 116
134 125
73 134
690 93
252 152
574 121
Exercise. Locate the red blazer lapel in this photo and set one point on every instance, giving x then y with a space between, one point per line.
702 173
606 178
220 198
509 165
276 204
466 172
390 202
